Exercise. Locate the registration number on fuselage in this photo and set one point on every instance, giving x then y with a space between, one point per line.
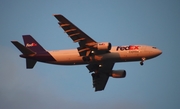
133 51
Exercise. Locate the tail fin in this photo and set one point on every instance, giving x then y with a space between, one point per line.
32 44
26 51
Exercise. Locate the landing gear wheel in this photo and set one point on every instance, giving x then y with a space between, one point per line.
141 63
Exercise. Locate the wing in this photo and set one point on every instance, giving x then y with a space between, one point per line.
101 75
76 35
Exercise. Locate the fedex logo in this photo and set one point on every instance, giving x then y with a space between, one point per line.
31 45
131 47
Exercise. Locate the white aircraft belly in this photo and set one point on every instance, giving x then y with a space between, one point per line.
66 57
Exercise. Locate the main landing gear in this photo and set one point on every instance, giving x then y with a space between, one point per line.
142 61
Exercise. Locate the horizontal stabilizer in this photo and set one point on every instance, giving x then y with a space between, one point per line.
22 48
30 63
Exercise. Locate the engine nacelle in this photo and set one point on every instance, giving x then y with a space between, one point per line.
103 46
118 73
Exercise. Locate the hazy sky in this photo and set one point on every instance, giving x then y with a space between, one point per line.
156 85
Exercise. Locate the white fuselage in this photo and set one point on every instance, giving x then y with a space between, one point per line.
116 54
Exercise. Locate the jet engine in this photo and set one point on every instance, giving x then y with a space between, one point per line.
118 73
103 46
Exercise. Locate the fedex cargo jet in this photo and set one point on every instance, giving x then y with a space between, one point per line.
99 57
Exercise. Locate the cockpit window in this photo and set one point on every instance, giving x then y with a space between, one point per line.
154 47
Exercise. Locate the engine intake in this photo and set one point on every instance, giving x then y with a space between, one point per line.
118 74
103 46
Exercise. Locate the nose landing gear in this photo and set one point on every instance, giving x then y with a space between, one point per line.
142 61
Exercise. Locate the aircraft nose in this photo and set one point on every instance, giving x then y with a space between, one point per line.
158 52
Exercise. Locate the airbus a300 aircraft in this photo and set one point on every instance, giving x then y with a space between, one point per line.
99 57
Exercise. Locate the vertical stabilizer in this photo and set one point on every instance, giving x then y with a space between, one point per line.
32 44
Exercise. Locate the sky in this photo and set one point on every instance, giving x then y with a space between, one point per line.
155 85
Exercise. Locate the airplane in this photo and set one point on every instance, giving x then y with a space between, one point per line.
99 57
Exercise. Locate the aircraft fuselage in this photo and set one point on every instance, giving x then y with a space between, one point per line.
116 54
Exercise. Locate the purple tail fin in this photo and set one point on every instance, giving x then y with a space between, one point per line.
32 44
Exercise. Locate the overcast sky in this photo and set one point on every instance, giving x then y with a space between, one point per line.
156 85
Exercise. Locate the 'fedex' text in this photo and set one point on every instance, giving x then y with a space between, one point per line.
31 45
131 47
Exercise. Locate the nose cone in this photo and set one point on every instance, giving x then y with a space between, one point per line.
157 52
